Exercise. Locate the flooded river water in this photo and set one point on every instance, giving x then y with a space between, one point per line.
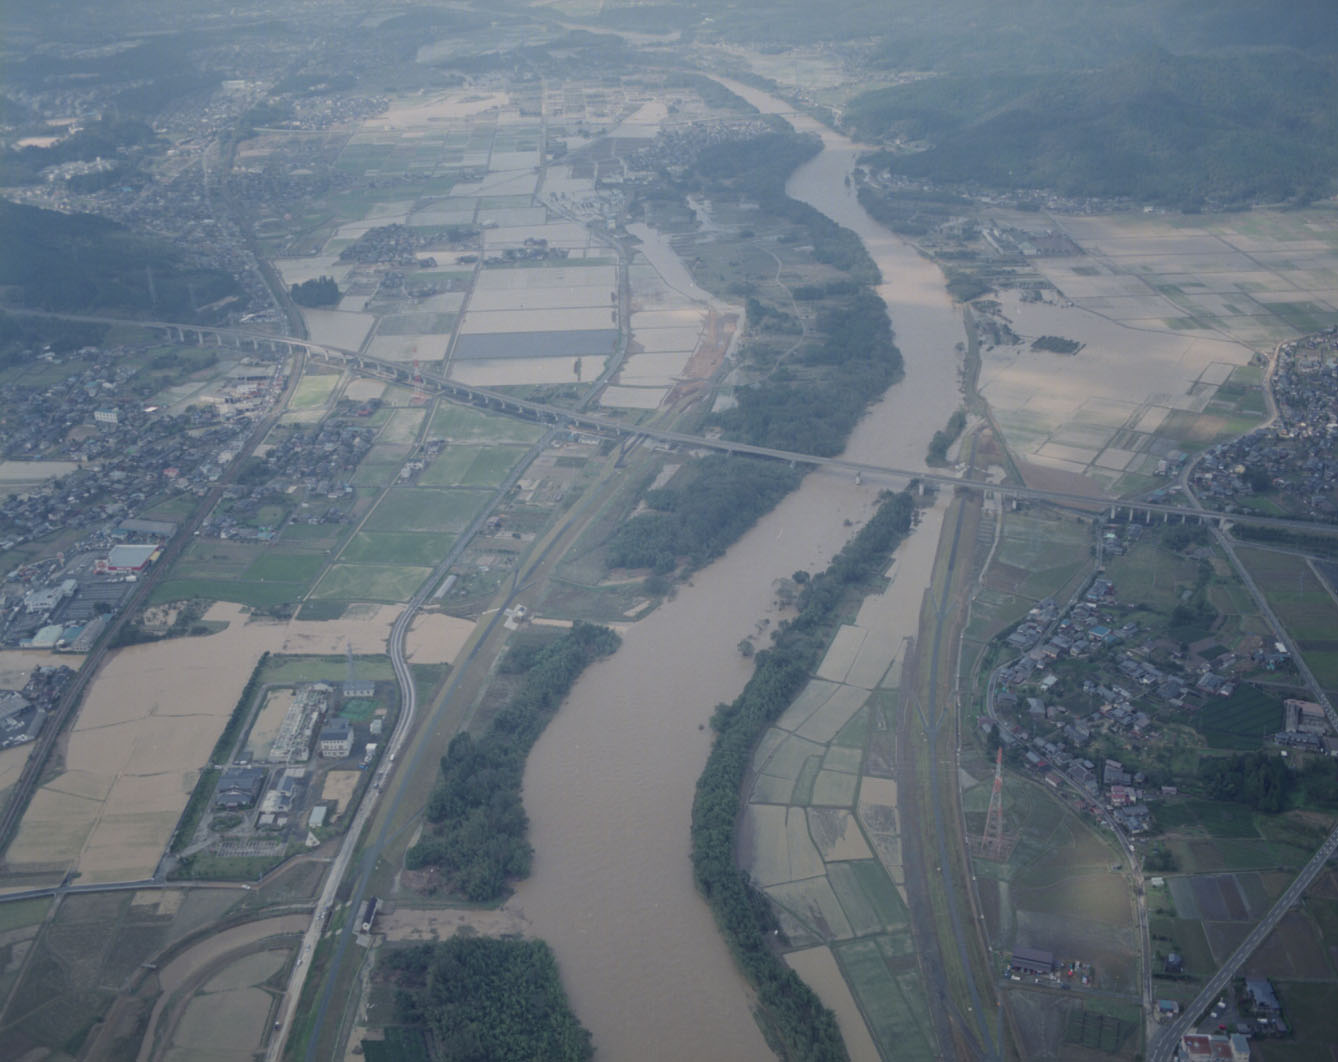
609 785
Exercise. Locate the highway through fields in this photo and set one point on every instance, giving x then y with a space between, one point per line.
1168 1040
404 725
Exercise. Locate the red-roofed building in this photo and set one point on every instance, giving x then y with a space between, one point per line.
1200 1047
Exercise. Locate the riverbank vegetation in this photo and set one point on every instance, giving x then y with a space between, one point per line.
479 999
475 838
794 1019
697 519
853 362
944 438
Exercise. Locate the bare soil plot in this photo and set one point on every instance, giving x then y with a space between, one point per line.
338 787
425 348
267 723
515 372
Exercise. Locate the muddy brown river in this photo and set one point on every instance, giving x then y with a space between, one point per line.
609 785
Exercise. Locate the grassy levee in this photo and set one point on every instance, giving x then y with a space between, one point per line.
930 732
793 1019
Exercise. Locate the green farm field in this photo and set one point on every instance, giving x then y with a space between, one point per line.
426 509
371 582
313 391
284 669
396 547
464 424
257 595
285 566
1302 604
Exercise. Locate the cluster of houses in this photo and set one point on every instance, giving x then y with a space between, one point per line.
318 461
126 454
401 245
1134 673
1293 456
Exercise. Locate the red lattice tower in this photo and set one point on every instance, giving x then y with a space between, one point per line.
992 840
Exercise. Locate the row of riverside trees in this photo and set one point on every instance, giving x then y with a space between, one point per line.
723 497
796 1022
477 826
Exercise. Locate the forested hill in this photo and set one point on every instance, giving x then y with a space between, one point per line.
80 263
1177 102
1183 131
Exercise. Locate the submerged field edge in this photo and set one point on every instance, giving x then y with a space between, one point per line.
793 1019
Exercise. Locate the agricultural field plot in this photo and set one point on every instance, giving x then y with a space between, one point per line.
1260 276
1057 888
1039 555
820 833
427 509
248 574
314 391
464 424
1303 605
371 582
396 548
232 1008
92 947
1173 307
1152 576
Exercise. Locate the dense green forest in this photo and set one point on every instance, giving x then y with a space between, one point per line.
482 1000
80 263
20 336
856 360
983 35
1267 783
1184 131
793 1016
696 520
945 437
477 826
318 291
107 138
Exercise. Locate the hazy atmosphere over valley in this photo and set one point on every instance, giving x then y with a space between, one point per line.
566 529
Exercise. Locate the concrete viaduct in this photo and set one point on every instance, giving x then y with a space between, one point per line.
609 427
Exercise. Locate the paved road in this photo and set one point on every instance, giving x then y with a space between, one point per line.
1164 1047
403 726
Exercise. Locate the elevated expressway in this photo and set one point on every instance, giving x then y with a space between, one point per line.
613 428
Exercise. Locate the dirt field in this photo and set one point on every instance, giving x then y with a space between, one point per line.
408 923
436 638
338 786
